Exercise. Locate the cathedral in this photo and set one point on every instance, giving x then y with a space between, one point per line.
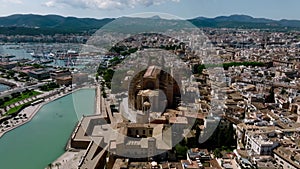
153 90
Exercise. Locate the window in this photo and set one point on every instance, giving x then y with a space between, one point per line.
150 132
144 131
150 85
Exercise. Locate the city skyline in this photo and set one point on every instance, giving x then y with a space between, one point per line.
271 9
148 84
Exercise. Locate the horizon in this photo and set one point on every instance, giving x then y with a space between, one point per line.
133 15
186 9
105 84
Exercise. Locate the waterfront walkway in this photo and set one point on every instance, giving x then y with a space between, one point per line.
28 113
71 158
24 116
100 106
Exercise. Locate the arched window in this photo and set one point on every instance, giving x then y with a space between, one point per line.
150 85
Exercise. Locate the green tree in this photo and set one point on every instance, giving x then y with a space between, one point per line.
217 153
108 75
11 73
50 165
16 94
97 77
104 94
57 164
1 101
116 60
6 98
22 74
181 150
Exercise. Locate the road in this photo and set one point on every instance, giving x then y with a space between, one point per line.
100 103
20 89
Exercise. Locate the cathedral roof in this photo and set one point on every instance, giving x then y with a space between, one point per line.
152 72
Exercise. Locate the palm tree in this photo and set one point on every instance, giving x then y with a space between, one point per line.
57 164
50 165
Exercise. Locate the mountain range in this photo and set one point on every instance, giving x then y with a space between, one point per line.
51 24
245 21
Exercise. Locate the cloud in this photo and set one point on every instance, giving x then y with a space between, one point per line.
50 4
106 4
12 1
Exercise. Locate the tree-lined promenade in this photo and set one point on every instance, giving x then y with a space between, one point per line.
17 97
24 111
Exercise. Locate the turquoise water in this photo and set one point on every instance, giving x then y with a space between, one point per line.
3 87
42 140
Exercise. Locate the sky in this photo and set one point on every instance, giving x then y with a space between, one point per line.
273 9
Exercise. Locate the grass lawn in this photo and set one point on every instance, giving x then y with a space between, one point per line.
17 108
13 110
21 97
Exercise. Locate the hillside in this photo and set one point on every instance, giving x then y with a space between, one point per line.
49 24
30 24
244 21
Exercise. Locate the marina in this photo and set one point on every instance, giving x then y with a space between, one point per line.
49 55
